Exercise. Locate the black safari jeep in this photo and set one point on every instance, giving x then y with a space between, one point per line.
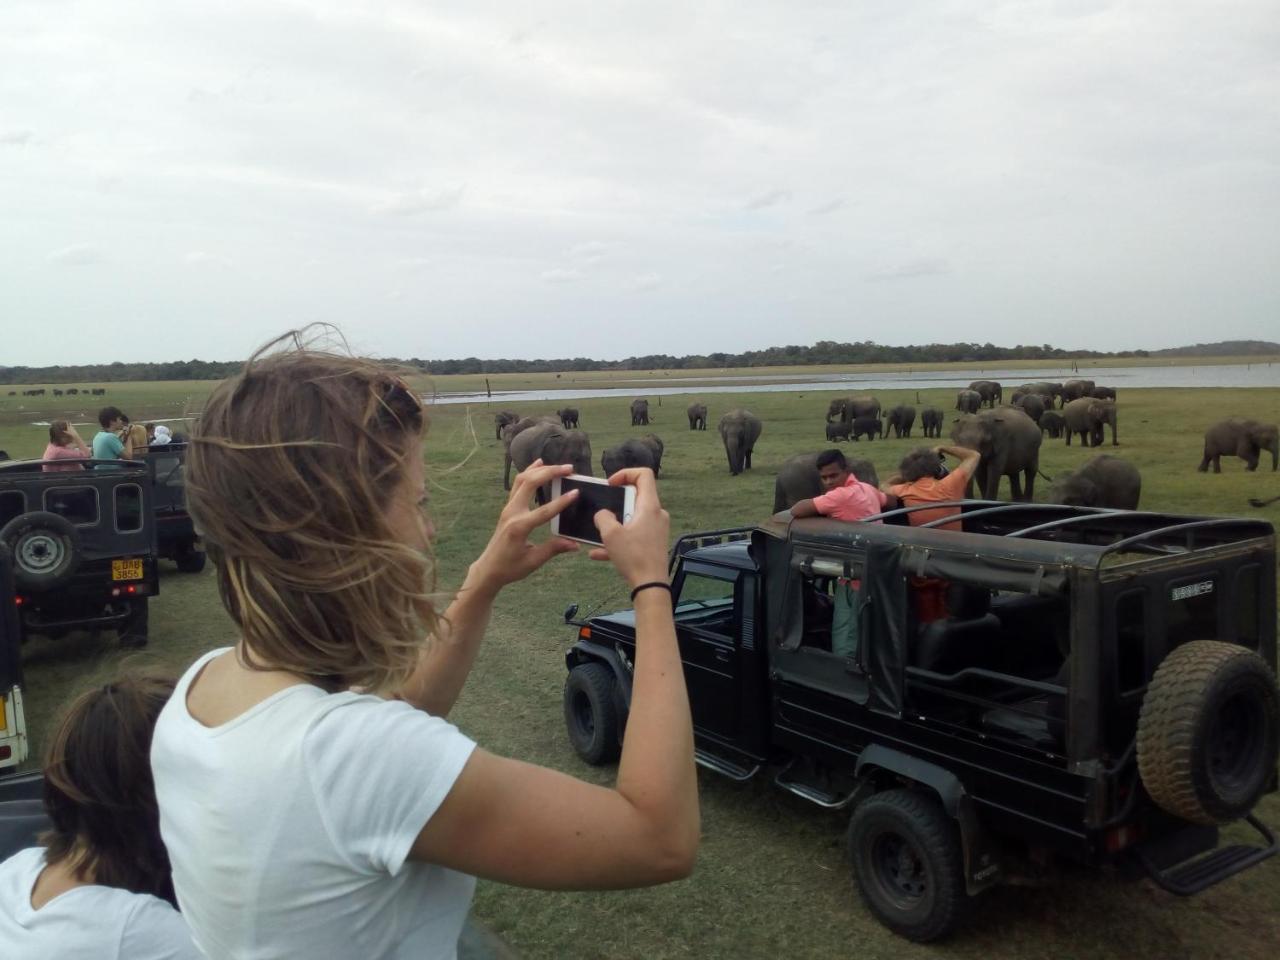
1101 688
83 544
176 537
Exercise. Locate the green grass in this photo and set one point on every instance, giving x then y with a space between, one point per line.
772 878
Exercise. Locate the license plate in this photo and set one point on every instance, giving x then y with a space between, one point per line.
126 569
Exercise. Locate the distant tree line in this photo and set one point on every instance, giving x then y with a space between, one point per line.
822 352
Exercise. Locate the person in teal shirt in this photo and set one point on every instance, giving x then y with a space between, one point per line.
107 444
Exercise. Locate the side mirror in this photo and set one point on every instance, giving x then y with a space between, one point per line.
570 612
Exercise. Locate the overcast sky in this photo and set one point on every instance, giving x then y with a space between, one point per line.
606 179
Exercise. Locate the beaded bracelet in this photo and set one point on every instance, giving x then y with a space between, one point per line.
652 583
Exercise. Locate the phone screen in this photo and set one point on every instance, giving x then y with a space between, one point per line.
578 520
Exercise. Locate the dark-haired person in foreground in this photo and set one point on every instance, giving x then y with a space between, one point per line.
314 799
100 889
846 498
114 441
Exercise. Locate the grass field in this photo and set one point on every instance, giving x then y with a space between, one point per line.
771 879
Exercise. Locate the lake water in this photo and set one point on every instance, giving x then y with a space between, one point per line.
1122 378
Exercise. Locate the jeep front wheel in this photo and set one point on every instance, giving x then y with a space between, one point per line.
45 548
1207 734
907 864
591 713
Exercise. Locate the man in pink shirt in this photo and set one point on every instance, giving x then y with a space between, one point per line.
846 498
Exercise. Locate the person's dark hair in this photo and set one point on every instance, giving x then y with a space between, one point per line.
108 414
827 457
98 790
920 462
291 469
58 433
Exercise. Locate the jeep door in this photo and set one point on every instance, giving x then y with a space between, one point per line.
707 616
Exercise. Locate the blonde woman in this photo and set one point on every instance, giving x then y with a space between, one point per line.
314 799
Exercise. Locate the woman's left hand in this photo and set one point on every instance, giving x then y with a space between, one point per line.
509 556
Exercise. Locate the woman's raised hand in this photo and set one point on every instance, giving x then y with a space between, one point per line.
509 556
639 549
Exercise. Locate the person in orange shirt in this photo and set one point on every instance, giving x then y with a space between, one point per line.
922 478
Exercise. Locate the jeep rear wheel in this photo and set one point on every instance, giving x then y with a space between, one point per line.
591 713
45 548
189 559
1207 734
908 865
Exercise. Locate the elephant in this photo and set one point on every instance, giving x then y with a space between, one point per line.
836 408
739 429
1051 422
900 420
1245 439
568 417
797 479
990 391
931 421
697 416
1009 442
1075 389
861 407
1053 391
968 401
501 419
871 426
639 413
1031 404
1086 417
643 452
551 443
839 430
1103 481
1103 393
513 430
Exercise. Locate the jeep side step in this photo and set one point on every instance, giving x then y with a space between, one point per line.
812 792
724 766
1199 873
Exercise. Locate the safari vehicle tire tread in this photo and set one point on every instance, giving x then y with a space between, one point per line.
53 526
919 820
1183 701
590 687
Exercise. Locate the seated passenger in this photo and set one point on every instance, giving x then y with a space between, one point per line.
922 478
846 498
64 444
101 887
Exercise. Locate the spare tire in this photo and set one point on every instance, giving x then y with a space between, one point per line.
1207 734
45 548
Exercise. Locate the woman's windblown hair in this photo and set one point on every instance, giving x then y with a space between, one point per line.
289 476
98 790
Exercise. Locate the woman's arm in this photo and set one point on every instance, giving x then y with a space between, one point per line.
79 443
522 824
509 556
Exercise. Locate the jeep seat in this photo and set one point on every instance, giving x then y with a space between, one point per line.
968 637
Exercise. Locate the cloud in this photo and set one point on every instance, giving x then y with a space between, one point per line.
831 206
561 275
200 258
414 263
15 138
590 252
76 255
420 201
928 267
647 281
770 199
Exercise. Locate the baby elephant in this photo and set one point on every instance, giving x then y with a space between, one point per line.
1245 439
931 420
839 430
900 420
643 452
1051 422
871 426
1104 481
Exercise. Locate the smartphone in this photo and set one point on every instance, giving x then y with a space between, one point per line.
578 521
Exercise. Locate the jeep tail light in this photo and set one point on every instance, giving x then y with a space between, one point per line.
6 752
17 601
1117 838
584 633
